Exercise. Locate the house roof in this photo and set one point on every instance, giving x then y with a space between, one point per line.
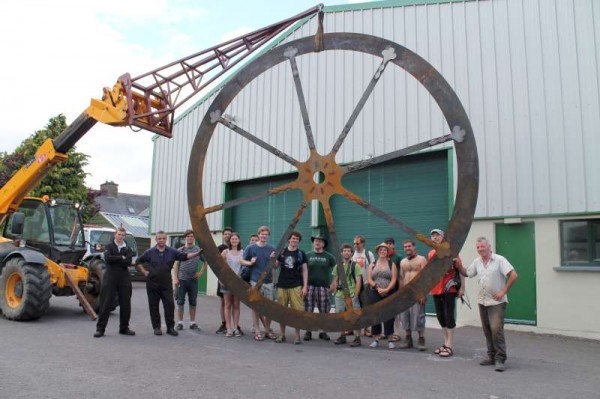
124 204
136 225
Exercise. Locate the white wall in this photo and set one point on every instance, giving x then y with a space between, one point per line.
566 302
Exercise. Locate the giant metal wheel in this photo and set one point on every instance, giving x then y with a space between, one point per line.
332 173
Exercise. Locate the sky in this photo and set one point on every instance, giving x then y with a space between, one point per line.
57 55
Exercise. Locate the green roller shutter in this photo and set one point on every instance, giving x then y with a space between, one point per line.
414 190
275 211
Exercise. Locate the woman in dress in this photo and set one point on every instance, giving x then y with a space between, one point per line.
232 255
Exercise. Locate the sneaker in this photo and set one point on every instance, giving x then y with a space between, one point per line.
323 335
341 340
391 345
421 344
499 365
157 331
237 333
356 342
229 334
194 326
240 332
252 330
297 341
222 329
179 326
374 344
127 331
487 362
98 334
307 336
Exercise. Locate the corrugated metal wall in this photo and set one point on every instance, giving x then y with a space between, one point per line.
525 70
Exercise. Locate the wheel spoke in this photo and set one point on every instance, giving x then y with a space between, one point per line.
385 216
337 253
282 243
250 198
388 55
217 117
457 135
290 54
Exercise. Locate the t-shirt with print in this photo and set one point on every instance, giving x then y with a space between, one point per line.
320 266
350 281
290 264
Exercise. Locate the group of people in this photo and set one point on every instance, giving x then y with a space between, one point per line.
304 281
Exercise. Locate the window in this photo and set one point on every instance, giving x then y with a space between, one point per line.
580 242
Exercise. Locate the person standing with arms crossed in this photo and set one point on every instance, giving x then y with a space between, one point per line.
496 277
187 273
159 283
116 281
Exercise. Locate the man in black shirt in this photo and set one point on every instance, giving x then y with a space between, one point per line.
293 280
159 283
117 256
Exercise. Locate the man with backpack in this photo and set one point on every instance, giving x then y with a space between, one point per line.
363 257
353 283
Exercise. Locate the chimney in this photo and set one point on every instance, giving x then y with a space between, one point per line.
109 189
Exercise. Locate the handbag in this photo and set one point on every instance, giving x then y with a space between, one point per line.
245 273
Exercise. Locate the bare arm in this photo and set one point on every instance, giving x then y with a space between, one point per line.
512 277
304 279
176 272
370 280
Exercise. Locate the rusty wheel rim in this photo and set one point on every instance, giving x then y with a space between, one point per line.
389 53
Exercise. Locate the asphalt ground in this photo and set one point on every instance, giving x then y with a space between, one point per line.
57 357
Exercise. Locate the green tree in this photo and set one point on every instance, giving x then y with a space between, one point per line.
65 180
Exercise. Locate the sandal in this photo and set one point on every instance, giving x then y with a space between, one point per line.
446 352
439 350
271 335
258 337
394 338
280 339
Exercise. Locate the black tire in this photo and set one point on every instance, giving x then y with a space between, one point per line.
25 290
96 270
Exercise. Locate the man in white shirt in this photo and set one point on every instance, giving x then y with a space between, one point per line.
496 277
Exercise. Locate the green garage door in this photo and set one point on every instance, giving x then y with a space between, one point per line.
275 211
415 190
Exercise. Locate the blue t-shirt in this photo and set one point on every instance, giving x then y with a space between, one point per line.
263 255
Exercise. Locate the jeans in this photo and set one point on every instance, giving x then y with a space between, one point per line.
492 321
189 287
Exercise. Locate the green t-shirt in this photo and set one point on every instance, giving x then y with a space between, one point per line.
351 281
319 268
396 259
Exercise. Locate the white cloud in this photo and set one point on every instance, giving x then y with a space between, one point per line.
58 54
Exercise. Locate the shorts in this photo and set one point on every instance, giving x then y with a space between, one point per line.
340 304
290 296
413 318
189 287
319 297
266 289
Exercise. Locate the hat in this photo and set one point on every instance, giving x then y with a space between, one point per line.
437 231
313 238
390 240
383 244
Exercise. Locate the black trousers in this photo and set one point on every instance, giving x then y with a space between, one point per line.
388 325
161 291
116 281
